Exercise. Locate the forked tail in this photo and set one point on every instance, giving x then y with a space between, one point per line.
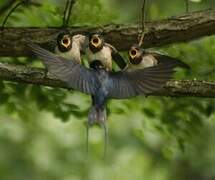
98 116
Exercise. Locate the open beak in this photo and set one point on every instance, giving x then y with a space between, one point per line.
95 42
66 42
133 53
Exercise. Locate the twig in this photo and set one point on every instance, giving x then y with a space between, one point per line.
10 12
67 12
6 6
187 5
142 23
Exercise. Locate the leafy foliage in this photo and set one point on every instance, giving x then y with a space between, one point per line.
151 138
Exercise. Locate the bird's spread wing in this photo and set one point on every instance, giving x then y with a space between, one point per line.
163 59
117 57
75 75
125 84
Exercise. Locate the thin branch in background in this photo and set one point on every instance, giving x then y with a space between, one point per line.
67 12
23 2
6 6
72 2
12 10
187 5
143 18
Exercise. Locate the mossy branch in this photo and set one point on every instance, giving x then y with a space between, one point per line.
157 33
29 75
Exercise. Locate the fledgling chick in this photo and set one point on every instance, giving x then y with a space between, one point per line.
141 58
100 50
71 47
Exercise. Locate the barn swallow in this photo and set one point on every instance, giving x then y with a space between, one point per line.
102 84
71 47
141 58
105 53
100 50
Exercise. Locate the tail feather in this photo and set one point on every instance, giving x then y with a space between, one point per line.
105 140
98 115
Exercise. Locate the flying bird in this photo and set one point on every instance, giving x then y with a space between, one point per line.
102 84
140 58
100 50
105 53
70 47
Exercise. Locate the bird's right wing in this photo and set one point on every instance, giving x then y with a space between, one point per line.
126 84
75 75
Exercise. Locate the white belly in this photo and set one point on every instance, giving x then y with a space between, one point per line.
147 61
72 54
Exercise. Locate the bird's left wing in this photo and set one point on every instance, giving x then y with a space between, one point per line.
75 75
126 84
117 57
163 59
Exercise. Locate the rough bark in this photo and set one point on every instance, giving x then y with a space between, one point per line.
28 75
176 29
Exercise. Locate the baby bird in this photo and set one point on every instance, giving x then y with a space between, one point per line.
71 47
100 50
141 58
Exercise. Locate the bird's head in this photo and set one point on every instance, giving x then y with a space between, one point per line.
96 64
135 55
96 42
64 41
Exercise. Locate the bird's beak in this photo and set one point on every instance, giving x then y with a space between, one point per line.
95 42
66 42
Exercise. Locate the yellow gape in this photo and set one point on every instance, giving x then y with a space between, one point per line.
133 53
66 41
96 42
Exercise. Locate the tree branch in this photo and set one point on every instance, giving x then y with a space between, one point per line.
28 75
178 29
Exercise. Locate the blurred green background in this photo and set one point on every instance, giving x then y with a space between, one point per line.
43 133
